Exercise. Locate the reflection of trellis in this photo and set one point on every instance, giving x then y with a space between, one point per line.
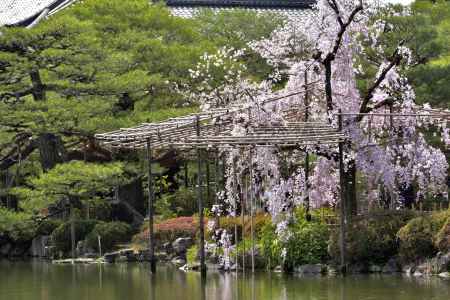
212 130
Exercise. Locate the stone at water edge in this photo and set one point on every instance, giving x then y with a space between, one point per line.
391 266
5 249
417 274
441 263
180 245
278 269
111 257
409 269
178 261
375 269
310 269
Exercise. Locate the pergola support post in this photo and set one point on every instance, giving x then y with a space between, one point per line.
343 193
151 238
252 227
200 205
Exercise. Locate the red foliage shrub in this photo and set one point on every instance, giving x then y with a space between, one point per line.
169 230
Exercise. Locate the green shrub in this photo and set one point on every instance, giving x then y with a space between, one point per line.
183 202
48 226
372 240
417 238
307 243
111 234
61 235
442 239
191 255
271 248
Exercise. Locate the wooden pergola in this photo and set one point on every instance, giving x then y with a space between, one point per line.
212 130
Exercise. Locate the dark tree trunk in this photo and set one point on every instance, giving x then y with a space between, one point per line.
408 194
38 88
51 149
350 178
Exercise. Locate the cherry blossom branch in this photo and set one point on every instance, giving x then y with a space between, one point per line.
330 57
394 61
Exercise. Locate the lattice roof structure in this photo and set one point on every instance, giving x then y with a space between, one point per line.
214 129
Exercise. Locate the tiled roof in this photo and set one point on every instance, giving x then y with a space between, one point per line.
298 9
24 12
276 4
189 11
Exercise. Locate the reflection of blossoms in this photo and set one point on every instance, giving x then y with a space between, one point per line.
225 244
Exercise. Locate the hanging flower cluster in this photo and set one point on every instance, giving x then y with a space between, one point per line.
319 62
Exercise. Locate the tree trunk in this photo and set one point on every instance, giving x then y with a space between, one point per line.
51 150
350 177
38 88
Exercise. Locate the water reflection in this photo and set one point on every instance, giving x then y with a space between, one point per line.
40 281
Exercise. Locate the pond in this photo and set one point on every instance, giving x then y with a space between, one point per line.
44 281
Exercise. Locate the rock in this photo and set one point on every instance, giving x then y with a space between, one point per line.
417 274
234 267
181 245
195 266
90 255
161 256
128 254
310 269
121 259
356 269
391 266
4 249
375 269
409 269
424 268
440 263
83 261
278 269
167 247
178 261
184 268
332 270
444 275
111 257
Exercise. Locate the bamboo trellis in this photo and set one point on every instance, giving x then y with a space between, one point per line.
213 130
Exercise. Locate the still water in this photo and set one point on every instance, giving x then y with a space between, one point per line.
43 281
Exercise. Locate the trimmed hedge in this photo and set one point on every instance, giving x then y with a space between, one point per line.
372 240
421 236
111 233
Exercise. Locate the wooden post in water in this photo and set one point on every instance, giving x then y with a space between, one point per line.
151 238
343 199
235 213
208 187
200 205
243 200
72 229
307 202
252 227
